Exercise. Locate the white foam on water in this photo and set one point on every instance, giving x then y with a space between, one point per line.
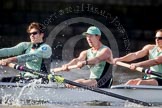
32 87
16 98
128 104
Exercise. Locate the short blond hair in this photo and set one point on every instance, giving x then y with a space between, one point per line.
159 30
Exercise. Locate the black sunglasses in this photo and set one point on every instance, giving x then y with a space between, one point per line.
33 33
158 38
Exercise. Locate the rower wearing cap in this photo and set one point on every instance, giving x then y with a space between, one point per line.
98 58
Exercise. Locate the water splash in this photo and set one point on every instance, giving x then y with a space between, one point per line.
31 86
132 105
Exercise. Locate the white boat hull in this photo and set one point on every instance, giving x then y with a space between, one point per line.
53 94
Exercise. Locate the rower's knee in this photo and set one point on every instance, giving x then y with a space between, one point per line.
128 82
140 82
133 81
148 82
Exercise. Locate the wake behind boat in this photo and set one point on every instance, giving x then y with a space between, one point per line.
53 93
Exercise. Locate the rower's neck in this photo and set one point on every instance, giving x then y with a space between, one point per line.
36 45
97 47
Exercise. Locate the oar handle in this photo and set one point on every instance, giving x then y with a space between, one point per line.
60 68
11 65
140 69
23 68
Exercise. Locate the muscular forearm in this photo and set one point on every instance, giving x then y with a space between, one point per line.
128 58
147 63
73 62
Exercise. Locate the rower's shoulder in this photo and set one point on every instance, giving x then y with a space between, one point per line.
44 44
45 47
25 44
106 49
149 46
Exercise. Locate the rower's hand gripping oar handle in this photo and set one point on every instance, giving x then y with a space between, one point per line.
140 69
60 69
23 68
11 65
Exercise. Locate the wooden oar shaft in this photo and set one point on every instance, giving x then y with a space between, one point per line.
60 68
140 69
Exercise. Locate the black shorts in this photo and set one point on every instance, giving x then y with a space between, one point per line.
159 81
104 83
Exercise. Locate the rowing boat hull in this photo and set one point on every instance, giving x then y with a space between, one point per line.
51 93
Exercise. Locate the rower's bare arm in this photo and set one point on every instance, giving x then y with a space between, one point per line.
72 64
151 62
105 55
81 57
136 55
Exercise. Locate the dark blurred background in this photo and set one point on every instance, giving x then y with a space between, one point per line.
139 18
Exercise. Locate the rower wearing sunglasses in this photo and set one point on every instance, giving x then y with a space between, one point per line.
32 53
154 52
